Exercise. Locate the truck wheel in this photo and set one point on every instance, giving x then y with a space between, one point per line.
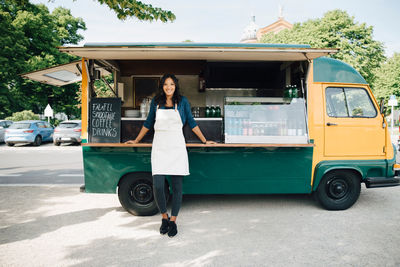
338 190
135 193
38 141
10 144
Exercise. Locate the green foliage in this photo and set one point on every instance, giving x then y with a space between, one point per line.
23 115
55 122
133 8
336 29
29 36
388 79
101 89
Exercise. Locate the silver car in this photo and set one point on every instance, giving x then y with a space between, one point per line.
68 132
3 126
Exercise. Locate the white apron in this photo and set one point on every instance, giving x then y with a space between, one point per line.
168 153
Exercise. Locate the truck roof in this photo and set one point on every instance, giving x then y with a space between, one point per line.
192 44
335 71
198 51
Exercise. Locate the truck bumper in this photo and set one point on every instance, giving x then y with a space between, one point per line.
372 182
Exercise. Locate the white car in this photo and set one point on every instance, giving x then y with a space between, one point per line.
4 124
68 132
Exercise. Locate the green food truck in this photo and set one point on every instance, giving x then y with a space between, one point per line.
290 120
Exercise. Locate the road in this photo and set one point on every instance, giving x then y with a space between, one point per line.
47 164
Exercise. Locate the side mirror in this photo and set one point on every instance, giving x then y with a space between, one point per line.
382 106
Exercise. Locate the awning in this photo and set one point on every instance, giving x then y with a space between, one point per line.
69 73
198 51
60 75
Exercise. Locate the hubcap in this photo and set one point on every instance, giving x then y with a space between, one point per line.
338 188
142 193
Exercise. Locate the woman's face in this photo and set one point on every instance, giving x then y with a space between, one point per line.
169 87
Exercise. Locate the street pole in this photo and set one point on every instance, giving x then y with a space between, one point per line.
392 103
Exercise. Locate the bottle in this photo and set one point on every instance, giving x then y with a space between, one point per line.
143 108
212 111
207 111
236 127
290 91
217 111
228 126
250 129
262 130
148 104
295 92
286 92
245 128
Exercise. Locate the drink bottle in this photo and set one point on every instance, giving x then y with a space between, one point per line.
212 111
217 111
208 111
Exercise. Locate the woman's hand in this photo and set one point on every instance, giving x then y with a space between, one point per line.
131 142
210 143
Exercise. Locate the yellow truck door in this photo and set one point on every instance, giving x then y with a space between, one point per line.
353 125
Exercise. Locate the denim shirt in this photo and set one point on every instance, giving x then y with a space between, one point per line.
183 108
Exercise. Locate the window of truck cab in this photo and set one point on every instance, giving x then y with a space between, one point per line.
349 102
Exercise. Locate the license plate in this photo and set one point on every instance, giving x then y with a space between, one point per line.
65 139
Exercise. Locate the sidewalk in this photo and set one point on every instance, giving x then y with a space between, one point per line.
59 226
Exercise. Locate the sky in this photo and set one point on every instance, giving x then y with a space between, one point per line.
225 20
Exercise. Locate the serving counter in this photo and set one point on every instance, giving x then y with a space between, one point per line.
196 145
211 128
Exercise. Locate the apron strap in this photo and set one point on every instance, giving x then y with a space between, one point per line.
176 106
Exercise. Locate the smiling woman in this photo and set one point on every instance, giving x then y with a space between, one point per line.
169 112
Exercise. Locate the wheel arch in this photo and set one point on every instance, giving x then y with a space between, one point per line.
135 173
125 175
324 168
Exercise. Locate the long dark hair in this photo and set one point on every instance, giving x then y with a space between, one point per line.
161 98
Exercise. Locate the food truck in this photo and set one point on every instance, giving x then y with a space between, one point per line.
291 121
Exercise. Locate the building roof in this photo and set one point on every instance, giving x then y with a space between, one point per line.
277 26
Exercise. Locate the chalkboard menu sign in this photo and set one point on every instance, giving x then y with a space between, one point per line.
105 120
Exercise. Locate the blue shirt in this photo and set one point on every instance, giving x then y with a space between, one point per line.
183 108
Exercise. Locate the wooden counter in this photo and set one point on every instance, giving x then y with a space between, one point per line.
196 145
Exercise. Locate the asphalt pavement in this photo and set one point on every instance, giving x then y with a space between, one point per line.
46 164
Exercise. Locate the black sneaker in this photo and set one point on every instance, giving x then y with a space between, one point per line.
173 230
164 226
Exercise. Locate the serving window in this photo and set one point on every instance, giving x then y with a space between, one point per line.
265 120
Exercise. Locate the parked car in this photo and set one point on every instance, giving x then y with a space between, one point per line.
68 132
4 124
32 131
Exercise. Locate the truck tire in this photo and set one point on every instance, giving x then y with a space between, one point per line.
338 190
10 144
135 193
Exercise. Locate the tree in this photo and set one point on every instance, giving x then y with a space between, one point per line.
29 36
23 115
336 29
388 78
132 8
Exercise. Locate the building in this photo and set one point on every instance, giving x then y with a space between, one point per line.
252 33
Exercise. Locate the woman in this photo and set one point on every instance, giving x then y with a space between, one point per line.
169 111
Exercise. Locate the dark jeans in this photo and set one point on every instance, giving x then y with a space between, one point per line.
159 194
